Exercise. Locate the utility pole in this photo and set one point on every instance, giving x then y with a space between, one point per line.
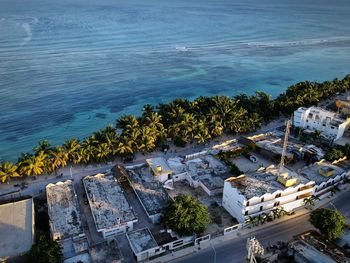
254 249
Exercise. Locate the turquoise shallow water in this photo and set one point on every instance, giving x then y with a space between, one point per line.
70 67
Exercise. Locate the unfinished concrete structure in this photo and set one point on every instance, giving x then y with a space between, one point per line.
326 176
16 228
150 192
311 247
111 211
264 190
270 145
206 172
65 218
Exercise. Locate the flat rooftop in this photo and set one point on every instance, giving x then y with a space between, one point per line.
313 172
65 218
107 201
151 193
262 181
141 240
159 166
16 228
206 169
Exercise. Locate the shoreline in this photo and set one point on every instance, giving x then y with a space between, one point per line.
194 124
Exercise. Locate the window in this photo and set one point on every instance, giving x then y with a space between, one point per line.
246 213
278 195
261 208
247 204
277 204
262 199
324 125
332 127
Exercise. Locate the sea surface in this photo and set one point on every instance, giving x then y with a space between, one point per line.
70 67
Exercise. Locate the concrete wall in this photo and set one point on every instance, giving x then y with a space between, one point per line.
233 202
118 230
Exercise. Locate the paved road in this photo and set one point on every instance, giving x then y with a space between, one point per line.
233 251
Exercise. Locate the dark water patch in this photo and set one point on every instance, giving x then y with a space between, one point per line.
12 138
100 115
273 83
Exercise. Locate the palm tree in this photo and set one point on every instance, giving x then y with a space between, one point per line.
147 139
124 149
58 158
34 165
43 146
127 123
70 147
147 110
7 171
316 135
103 153
201 134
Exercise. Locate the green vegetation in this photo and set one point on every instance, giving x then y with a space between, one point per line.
310 201
45 251
333 154
180 120
330 223
186 215
266 217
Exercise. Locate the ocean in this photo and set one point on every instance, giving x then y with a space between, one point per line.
70 67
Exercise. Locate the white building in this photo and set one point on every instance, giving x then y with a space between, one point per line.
263 191
330 124
326 176
110 209
160 169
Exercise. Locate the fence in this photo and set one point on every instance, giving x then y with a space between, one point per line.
196 155
231 229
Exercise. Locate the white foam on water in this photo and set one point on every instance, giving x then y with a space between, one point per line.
28 31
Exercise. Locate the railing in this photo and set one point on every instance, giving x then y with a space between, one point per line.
230 229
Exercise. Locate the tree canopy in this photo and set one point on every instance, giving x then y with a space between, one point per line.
333 154
330 223
45 251
186 215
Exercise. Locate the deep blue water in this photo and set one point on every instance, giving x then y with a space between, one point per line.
70 67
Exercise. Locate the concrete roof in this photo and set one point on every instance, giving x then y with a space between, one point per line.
141 240
16 228
151 193
64 213
206 169
161 163
312 173
107 201
261 182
